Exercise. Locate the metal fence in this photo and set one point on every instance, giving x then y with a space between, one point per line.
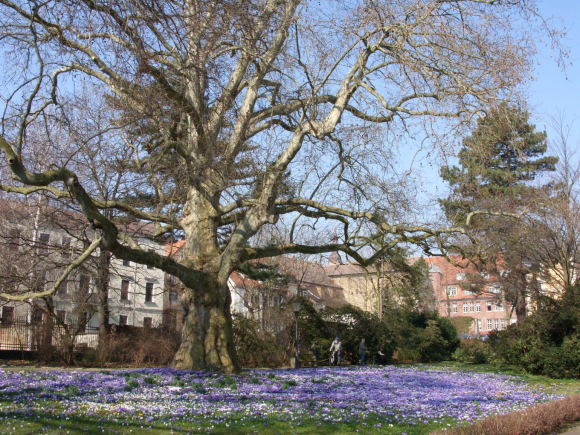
22 335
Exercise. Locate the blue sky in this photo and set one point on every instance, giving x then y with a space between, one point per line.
553 89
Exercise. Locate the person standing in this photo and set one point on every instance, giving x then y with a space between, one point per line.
362 350
335 349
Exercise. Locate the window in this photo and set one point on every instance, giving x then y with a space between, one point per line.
147 322
149 292
125 290
451 291
122 320
478 307
501 306
495 307
37 315
14 239
465 307
7 315
468 292
432 278
65 246
304 293
173 296
496 324
43 239
62 288
489 324
502 323
471 307
454 307
484 275
150 250
489 306
126 263
478 325
494 288
61 317
84 284
460 276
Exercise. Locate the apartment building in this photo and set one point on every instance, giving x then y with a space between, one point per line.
461 291
38 241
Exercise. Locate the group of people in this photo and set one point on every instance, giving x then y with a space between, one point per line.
336 353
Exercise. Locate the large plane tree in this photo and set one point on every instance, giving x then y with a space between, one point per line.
239 115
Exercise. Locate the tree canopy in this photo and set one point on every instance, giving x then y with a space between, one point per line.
228 117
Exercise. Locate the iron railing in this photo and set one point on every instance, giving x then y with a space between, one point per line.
22 335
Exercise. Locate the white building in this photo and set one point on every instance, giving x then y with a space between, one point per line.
38 242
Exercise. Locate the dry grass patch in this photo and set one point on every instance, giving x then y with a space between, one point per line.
535 420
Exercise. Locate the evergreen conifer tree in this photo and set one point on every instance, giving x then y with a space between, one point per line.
498 165
497 162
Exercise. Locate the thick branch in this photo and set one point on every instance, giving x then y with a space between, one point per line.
78 262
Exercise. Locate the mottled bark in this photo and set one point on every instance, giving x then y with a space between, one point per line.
207 337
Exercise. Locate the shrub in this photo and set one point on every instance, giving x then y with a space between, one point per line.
545 342
424 336
539 419
352 324
472 351
254 346
137 347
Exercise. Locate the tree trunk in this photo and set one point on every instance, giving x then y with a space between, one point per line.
103 266
521 305
207 337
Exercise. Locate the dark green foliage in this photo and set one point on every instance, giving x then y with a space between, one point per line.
131 383
413 290
500 158
263 272
497 165
420 336
472 351
546 342
288 384
352 324
424 336
254 347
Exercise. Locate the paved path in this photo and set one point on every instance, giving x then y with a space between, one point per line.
574 430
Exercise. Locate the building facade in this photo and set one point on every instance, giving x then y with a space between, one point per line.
37 243
461 291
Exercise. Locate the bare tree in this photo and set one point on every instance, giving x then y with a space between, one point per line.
241 114
554 231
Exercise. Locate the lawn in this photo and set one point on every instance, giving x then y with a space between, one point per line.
390 400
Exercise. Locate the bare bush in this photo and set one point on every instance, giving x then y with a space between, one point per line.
536 420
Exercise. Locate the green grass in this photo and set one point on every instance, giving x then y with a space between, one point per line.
554 386
47 424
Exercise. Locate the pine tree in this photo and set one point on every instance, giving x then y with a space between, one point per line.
498 164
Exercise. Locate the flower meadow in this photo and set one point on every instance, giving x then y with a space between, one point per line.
194 402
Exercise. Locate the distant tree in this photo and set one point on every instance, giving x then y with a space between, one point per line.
554 231
500 159
499 165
